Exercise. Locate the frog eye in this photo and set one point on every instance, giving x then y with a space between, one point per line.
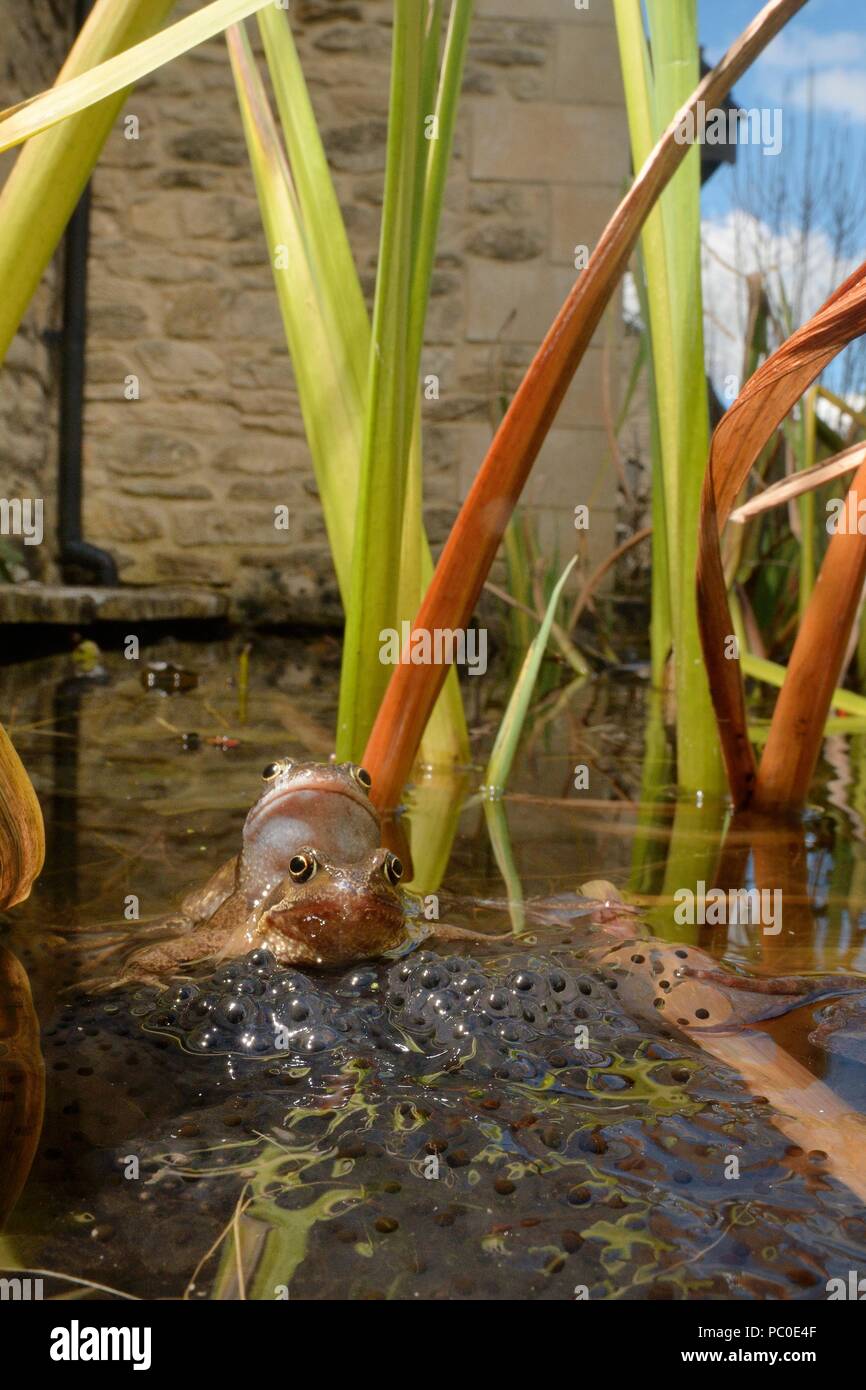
392 868
302 866
274 769
362 777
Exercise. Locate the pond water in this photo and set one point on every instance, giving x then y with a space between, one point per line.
393 1151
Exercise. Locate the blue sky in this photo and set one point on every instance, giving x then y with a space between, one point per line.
822 50
818 61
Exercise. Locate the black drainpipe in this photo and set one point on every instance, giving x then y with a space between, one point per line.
75 552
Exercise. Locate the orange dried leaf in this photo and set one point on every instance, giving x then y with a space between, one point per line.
805 480
475 537
22 834
797 728
739 437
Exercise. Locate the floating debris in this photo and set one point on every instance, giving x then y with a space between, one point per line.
87 660
167 678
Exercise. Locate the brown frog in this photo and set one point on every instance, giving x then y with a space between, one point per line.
330 914
322 913
313 885
322 804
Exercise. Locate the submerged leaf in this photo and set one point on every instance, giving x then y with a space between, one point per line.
601 889
22 1081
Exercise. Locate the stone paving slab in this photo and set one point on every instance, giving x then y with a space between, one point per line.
81 605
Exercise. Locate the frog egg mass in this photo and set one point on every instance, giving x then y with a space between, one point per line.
495 1019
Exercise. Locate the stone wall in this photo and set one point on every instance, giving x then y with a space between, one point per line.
34 39
181 483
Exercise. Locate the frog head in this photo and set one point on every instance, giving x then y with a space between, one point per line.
330 914
321 804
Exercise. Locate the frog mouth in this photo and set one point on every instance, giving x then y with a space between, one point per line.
327 909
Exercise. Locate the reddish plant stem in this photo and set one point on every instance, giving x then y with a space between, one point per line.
475 537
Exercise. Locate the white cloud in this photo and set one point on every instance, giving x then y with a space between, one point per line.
803 68
739 244
842 90
836 418
794 50
630 301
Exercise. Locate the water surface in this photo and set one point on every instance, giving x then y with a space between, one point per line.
404 1160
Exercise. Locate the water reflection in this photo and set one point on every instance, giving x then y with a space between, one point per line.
584 1152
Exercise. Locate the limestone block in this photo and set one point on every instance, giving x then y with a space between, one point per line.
167 360
580 214
167 488
108 520
515 302
210 145
548 142
507 241
369 39
358 147
151 452
566 11
197 312
587 65
249 526
502 55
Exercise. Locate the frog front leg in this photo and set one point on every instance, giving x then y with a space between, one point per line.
153 963
202 903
